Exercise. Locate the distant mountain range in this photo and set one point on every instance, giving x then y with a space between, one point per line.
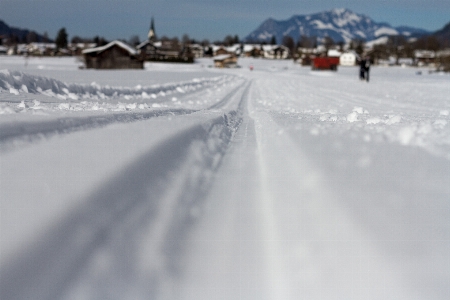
443 35
342 25
21 34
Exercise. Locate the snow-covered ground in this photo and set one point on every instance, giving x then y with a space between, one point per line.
188 182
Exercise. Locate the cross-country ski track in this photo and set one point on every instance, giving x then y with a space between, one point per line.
261 184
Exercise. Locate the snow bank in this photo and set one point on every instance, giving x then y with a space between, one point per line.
17 82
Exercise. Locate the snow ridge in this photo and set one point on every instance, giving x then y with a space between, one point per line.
17 82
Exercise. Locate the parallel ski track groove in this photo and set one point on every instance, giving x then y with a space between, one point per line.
51 263
31 131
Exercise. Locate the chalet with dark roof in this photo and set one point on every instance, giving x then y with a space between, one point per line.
115 55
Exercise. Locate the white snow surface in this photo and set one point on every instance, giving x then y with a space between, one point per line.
189 182
321 25
385 31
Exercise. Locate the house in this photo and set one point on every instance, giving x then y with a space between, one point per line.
443 60
252 51
115 55
196 50
165 51
349 58
235 49
219 50
306 55
147 50
77 48
424 57
275 51
225 61
41 49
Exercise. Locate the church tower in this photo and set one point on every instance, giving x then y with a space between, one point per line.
151 33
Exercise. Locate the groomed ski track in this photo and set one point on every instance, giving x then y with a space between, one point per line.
240 199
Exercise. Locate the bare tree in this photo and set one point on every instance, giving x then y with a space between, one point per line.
357 45
306 42
328 42
186 40
228 40
289 43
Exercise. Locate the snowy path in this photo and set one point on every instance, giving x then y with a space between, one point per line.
282 224
250 185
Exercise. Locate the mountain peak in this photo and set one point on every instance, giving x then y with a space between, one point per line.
341 24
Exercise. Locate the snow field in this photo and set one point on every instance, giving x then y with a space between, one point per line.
276 183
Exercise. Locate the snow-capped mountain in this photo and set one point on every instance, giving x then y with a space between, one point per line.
339 24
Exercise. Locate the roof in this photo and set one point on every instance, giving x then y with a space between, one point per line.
273 47
221 57
333 53
248 47
147 42
120 44
424 54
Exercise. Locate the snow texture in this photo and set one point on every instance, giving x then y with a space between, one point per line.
189 182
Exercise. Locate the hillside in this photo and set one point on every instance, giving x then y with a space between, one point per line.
20 34
443 35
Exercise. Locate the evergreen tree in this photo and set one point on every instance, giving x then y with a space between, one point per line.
61 39
273 41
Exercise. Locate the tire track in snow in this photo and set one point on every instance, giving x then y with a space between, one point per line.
126 206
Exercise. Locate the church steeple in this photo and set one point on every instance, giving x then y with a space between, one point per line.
151 33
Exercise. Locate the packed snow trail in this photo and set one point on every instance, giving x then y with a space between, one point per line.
281 225
279 183
191 154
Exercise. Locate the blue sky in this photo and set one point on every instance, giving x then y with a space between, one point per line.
213 19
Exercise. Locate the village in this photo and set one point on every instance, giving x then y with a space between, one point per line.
320 54
204 161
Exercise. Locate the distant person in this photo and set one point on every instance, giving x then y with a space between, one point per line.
367 68
362 69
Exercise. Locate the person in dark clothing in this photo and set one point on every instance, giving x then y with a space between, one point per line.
362 69
367 67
